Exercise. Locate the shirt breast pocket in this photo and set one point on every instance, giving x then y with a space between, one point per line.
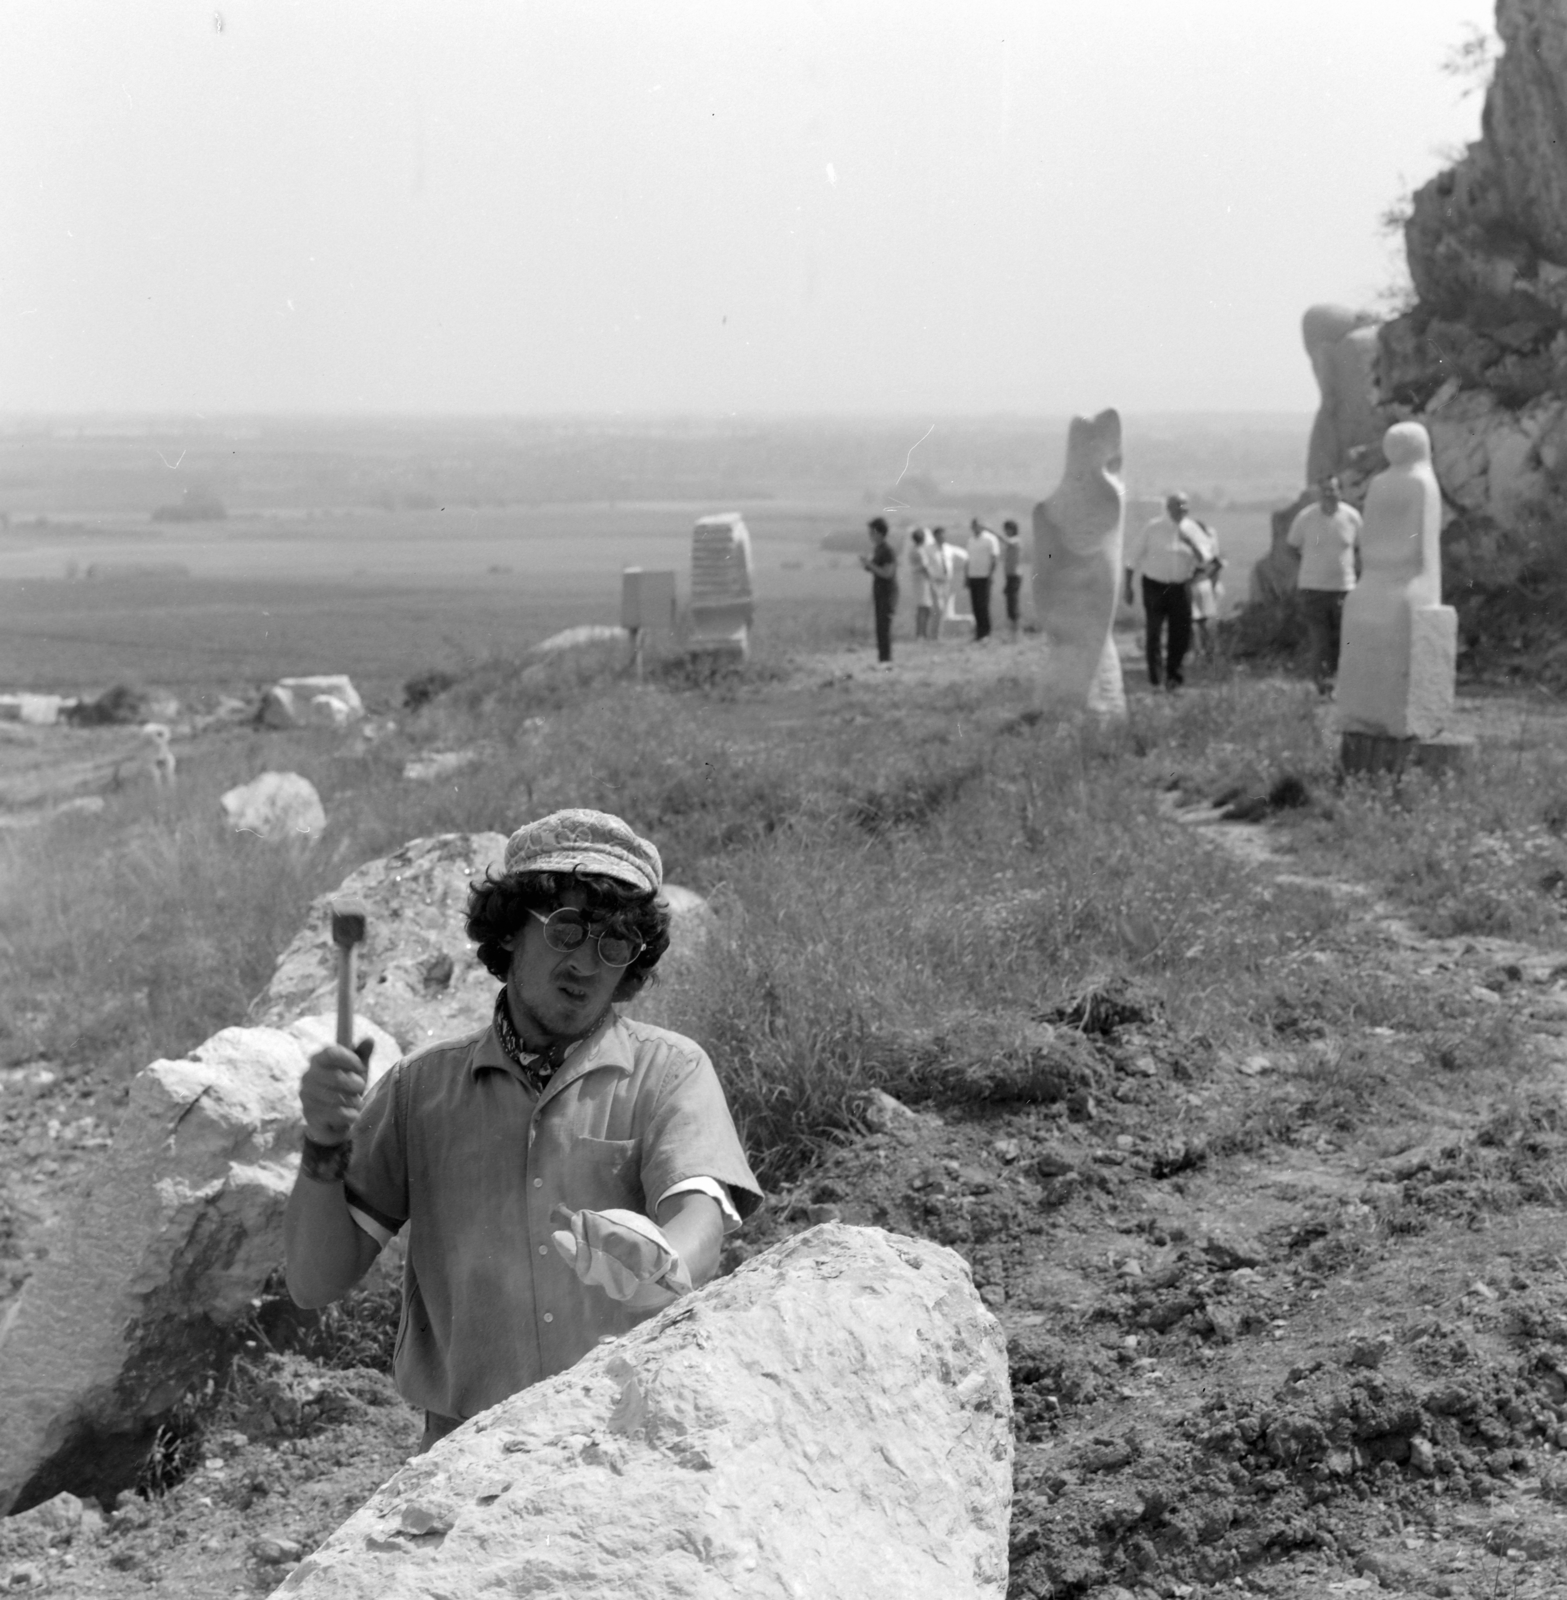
605 1174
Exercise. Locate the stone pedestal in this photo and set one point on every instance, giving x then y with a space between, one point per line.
1397 679
1371 754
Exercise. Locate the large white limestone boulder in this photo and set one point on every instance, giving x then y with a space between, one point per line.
418 975
277 807
165 1247
325 700
832 1420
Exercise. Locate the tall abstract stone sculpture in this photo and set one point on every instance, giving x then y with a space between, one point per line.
1077 562
1342 347
722 603
1397 662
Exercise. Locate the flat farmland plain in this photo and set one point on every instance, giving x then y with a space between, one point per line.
381 595
93 600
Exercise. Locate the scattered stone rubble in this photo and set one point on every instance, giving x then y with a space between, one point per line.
169 1242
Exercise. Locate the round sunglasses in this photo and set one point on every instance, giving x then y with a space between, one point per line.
567 929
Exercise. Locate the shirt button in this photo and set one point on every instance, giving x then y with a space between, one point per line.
538 1183
549 1316
544 1249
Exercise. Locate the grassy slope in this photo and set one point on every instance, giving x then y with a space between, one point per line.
915 875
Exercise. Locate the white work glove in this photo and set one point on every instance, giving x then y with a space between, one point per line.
623 1253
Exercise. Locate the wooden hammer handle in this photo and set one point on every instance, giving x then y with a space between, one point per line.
345 996
348 931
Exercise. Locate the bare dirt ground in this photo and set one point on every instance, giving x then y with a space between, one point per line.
1274 1328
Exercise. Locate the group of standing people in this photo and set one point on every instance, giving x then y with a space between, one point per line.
936 567
1177 557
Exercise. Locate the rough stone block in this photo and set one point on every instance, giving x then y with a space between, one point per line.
166 1246
647 601
832 1420
280 807
418 976
722 598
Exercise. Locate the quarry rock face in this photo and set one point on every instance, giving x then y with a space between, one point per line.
1077 570
418 976
279 807
832 1420
169 1240
1482 358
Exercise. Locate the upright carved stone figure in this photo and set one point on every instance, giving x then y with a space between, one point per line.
1077 562
1397 662
722 603
1342 347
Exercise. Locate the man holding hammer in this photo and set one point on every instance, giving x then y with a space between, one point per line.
562 1173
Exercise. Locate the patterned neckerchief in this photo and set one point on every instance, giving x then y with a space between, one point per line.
536 1069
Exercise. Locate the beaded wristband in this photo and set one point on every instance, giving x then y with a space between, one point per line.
326 1163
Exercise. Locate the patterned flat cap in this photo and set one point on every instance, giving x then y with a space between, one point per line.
585 841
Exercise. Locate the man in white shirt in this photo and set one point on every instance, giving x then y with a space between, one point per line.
984 556
1328 538
1167 554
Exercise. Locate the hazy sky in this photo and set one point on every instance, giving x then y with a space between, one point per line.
943 206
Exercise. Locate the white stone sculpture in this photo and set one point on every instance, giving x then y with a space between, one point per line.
1077 565
160 758
832 1420
168 1243
722 600
1342 347
1397 661
277 806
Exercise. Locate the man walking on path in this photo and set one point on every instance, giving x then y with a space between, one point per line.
984 556
562 1173
1328 538
882 564
1012 575
1167 554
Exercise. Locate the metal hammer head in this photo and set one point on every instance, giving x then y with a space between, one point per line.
348 923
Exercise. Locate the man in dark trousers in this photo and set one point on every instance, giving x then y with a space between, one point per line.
1012 574
882 564
1167 555
984 556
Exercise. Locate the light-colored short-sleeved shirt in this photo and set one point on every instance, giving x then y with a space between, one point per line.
1166 551
984 552
1327 547
454 1144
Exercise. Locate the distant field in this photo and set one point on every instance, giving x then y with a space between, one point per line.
383 549
385 595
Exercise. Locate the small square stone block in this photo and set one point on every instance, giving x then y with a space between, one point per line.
647 600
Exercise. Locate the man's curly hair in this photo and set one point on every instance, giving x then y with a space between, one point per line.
499 907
